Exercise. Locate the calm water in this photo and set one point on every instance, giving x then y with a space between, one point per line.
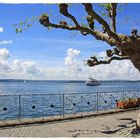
54 87
46 98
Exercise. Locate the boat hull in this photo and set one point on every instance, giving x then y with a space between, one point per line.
92 84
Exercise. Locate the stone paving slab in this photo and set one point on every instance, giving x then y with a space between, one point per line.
111 125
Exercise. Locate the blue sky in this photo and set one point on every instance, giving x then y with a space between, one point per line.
45 51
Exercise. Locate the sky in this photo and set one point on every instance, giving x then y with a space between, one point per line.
56 54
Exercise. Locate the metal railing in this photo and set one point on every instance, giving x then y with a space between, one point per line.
45 105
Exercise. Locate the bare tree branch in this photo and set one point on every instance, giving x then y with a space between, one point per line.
90 21
64 11
94 61
115 51
44 20
113 16
91 12
119 55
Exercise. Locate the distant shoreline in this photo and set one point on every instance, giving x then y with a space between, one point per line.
64 81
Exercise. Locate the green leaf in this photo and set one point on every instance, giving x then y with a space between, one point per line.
101 4
127 18
84 25
84 17
49 28
29 25
95 27
20 30
104 14
21 23
17 30
14 25
27 20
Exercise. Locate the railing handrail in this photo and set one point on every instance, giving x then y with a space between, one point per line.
68 93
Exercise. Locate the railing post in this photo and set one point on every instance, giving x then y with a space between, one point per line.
43 111
19 111
123 95
81 104
60 112
63 105
97 101
111 101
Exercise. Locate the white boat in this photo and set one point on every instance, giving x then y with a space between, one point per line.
92 82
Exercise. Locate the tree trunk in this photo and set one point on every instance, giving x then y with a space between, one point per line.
131 47
135 58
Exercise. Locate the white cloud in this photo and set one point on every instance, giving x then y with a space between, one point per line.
1 29
30 67
26 67
17 69
17 65
71 54
4 54
101 54
4 67
76 70
117 70
5 42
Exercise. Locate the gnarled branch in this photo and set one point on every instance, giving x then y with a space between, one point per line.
115 51
113 16
44 20
91 12
94 61
64 11
90 21
119 55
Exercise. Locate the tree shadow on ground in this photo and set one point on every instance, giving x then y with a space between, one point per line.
128 119
135 131
129 124
112 131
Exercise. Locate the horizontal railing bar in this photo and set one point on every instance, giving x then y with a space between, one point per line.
70 93
27 94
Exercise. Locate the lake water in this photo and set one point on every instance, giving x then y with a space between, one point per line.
38 99
60 87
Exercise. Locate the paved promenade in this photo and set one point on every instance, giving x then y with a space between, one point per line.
115 125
